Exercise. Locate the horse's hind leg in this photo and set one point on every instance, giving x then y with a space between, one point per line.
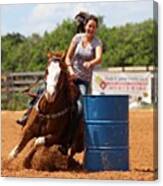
78 141
26 137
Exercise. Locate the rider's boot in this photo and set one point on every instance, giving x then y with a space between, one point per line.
23 120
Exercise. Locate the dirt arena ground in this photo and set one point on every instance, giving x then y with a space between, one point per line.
141 151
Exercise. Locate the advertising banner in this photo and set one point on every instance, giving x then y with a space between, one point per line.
135 84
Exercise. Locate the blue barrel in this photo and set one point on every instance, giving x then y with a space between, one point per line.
106 132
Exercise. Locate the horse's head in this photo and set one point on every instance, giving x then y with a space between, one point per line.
53 72
55 81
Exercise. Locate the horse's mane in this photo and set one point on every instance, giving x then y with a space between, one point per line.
54 53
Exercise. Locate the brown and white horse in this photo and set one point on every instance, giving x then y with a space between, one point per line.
51 117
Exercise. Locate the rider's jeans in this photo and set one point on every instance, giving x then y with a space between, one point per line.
83 88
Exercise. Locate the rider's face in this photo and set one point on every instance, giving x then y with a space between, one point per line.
90 28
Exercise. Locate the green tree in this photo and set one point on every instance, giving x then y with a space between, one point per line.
128 45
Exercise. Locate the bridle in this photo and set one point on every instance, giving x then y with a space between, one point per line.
57 114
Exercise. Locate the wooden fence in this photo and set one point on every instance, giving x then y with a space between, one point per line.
17 82
20 81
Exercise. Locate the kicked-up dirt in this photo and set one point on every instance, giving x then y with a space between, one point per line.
142 151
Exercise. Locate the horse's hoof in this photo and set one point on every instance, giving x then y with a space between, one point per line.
73 164
13 154
11 157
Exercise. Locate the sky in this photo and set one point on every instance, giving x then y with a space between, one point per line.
38 18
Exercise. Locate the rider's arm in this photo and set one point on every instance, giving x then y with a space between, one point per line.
97 60
98 56
70 54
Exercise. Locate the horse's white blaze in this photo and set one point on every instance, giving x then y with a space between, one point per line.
52 77
13 153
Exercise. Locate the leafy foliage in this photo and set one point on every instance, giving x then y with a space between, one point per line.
129 45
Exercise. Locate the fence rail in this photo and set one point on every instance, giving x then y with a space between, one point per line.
19 81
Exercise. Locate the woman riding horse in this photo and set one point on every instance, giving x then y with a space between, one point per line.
45 121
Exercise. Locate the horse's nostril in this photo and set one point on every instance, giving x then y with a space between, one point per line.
50 90
50 98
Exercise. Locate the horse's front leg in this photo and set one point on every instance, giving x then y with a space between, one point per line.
26 137
47 140
30 130
78 140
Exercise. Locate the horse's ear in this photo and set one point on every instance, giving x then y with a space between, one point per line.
49 54
63 56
